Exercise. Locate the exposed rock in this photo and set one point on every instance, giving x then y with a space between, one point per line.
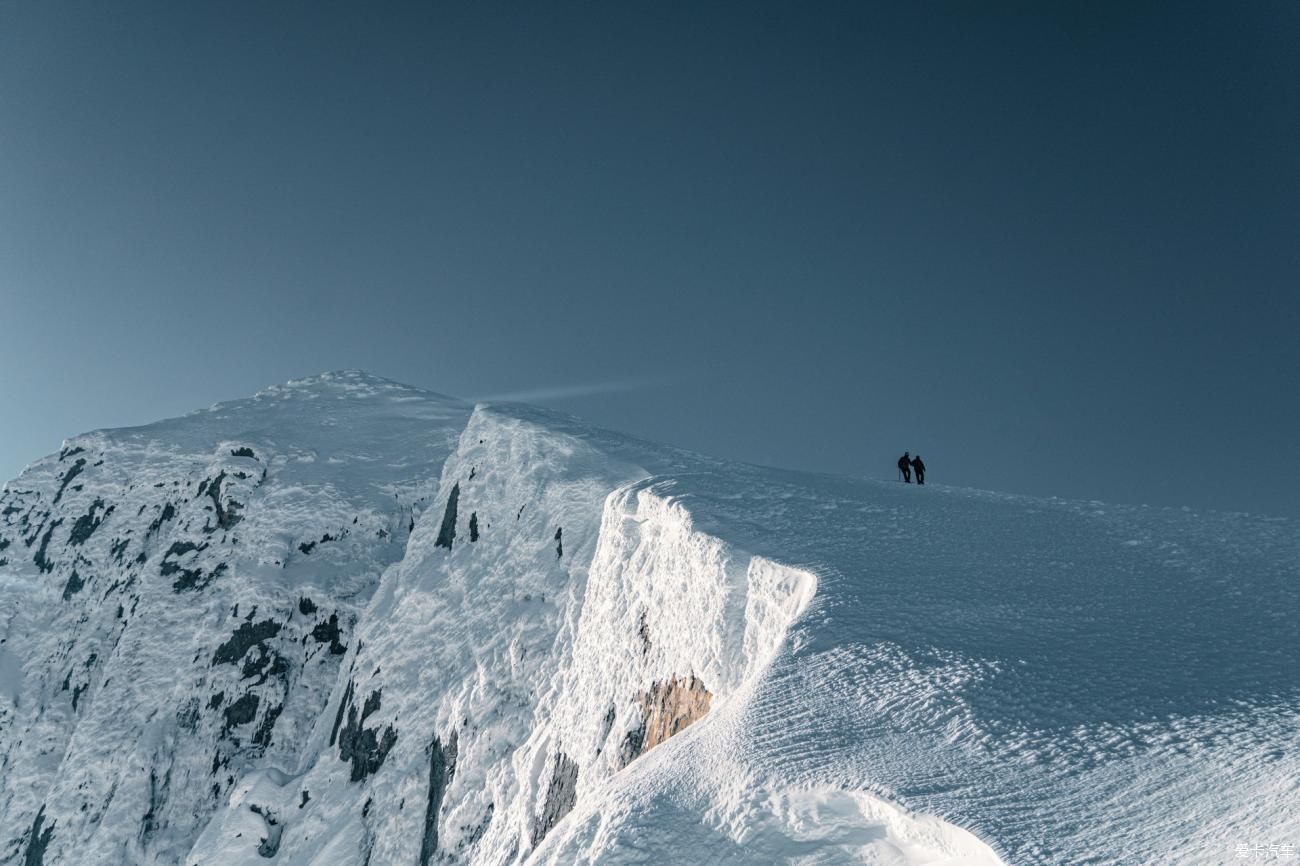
264 664
187 717
190 578
168 513
159 790
338 717
193 578
73 586
72 473
374 701
179 548
643 632
561 795
328 632
227 513
447 532
270 844
667 709
242 711
364 747
632 746
442 769
471 833
87 523
606 725
39 559
309 546
262 736
245 637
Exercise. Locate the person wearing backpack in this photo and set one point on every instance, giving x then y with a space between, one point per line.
919 468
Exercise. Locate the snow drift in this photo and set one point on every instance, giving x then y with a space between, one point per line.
349 622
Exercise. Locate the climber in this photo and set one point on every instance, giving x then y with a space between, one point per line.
920 469
905 467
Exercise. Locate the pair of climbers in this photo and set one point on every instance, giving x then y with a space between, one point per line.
907 465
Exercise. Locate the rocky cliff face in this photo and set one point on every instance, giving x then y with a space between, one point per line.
178 600
347 622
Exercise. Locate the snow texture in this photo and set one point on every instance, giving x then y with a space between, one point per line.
348 622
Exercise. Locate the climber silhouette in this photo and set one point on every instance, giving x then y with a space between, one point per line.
905 467
919 467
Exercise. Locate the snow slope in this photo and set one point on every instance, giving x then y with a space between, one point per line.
349 622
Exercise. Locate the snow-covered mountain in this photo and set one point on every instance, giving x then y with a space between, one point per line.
348 622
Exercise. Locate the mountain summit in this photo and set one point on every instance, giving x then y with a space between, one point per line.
349 622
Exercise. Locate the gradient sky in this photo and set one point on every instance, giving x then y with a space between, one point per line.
1055 248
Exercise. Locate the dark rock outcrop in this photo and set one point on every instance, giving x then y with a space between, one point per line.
262 736
447 532
328 632
561 795
73 472
44 564
87 523
242 711
643 632
442 769
245 638
39 839
227 512
365 748
338 717
73 586
269 846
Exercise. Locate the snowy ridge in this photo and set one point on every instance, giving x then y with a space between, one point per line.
518 657
349 622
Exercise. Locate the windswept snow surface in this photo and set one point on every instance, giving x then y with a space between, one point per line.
348 622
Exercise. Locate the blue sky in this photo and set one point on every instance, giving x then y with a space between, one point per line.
1052 248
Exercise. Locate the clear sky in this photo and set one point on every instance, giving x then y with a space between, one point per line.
1055 248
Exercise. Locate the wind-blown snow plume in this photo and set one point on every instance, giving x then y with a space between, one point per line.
545 394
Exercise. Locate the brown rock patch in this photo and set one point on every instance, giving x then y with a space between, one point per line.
667 709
